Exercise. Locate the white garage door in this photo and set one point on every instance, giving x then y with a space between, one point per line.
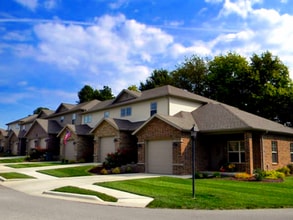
107 146
160 157
70 151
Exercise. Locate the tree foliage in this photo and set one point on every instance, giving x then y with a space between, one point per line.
191 75
87 93
39 109
158 78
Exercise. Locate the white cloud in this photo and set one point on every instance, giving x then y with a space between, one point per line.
30 4
113 46
239 7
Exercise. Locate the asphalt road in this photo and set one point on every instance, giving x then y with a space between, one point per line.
18 205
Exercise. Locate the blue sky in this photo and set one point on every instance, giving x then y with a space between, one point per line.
50 49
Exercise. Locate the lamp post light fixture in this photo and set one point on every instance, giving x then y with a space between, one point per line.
193 134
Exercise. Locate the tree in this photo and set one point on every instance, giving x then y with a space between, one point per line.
158 78
133 88
191 75
39 109
271 88
87 93
103 94
227 80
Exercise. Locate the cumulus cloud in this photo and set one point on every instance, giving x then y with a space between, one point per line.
113 45
30 4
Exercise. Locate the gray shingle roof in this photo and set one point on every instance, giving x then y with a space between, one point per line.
151 94
220 117
49 126
79 129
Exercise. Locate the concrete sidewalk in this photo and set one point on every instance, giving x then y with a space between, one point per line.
43 185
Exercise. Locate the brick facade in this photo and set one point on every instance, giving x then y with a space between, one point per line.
284 156
123 140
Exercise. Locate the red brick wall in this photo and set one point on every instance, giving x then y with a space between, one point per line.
283 151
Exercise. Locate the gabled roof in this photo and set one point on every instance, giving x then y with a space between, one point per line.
219 117
63 107
120 124
49 126
158 92
3 132
77 129
126 95
45 113
183 121
24 120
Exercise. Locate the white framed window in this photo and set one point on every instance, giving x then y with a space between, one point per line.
124 112
106 114
62 119
274 151
153 108
236 152
87 119
291 151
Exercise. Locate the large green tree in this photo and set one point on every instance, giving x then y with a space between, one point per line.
158 78
227 78
271 87
191 75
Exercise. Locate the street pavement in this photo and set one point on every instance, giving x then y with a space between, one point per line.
43 185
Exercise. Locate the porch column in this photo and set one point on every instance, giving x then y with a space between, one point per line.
248 152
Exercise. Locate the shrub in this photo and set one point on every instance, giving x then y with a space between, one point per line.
118 158
259 174
217 174
242 176
284 170
290 166
273 174
116 170
104 172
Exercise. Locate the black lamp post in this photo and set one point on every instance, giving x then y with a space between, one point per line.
193 134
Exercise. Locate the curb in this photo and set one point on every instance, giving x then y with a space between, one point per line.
73 195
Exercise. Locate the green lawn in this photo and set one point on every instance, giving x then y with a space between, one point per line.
13 160
33 164
77 190
14 175
69 172
171 192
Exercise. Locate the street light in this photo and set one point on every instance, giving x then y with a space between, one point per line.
193 134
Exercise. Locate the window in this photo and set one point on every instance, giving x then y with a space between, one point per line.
274 151
125 112
87 119
291 151
153 108
73 118
62 119
236 152
106 114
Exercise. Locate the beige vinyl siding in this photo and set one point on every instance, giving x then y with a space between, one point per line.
177 105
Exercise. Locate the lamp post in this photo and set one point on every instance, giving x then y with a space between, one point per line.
193 134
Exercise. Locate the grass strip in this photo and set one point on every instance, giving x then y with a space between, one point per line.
77 190
14 175
13 160
69 172
170 192
33 164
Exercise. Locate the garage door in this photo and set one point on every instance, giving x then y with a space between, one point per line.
70 151
107 146
160 157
